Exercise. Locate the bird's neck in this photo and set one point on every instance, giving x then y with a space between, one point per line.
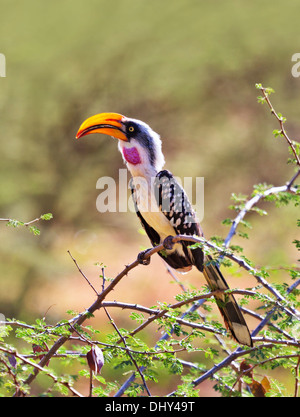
138 163
131 156
145 171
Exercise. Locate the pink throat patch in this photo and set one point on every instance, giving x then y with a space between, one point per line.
132 156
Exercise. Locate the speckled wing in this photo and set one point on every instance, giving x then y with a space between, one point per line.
176 207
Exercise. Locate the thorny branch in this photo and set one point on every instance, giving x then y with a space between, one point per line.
17 223
80 319
38 367
281 121
223 251
279 301
248 206
253 202
128 351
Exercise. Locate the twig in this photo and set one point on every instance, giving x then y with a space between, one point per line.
22 223
268 317
100 298
164 312
242 263
91 384
253 201
128 351
170 272
13 376
17 223
81 318
294 342
297 378
293 179
159 313
201 297
103 280
281 121
225 362
261 319
81 272
39 368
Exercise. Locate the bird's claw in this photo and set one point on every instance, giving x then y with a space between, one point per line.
168 242
141 258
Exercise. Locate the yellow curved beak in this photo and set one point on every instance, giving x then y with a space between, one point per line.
105 123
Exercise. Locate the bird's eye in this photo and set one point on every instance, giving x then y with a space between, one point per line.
131 129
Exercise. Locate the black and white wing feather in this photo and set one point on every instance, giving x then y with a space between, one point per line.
176 207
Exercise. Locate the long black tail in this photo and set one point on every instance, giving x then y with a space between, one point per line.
233 317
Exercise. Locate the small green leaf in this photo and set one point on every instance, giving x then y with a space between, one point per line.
282 118
261 99
277 132
15 223
47 216
269 90
35 230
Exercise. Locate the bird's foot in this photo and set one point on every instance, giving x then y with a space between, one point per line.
141 258
168 242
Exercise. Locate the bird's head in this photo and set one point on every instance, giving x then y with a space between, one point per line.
139 144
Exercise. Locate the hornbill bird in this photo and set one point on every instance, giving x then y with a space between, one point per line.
164 209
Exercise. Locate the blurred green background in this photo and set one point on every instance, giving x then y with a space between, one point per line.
186 68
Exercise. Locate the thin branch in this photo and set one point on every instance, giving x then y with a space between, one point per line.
281 121
170 272
242 263
13 376
128 351
78 320
268 317
297 378
253 201
91 384
225 362
81 272
39 368
17 223
21 223
294 342
293 179
260 363
195 308
261 319
236 354
159 313
239 352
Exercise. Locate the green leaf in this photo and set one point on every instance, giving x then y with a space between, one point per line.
34 230
277 132
227 221
269 90
261 99
47 216
281 118
14 223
